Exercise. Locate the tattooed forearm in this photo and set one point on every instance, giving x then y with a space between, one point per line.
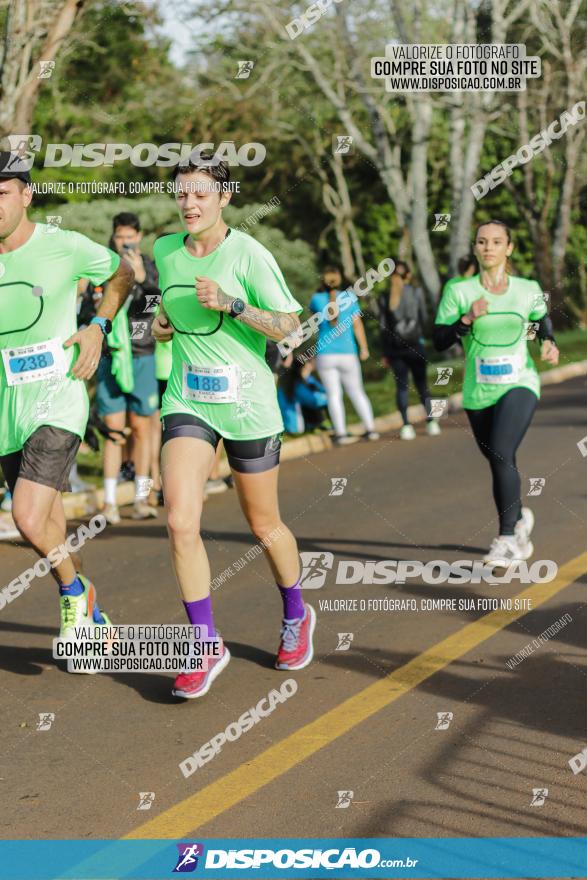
274 325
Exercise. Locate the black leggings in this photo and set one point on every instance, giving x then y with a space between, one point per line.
415 360
499 430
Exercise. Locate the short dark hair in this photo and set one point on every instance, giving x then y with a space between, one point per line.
398 263
495 223
218 170
126 218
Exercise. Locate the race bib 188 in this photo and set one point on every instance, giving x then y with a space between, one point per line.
211 384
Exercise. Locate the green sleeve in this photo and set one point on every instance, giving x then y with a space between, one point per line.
266 285
449 308
93 260
538 303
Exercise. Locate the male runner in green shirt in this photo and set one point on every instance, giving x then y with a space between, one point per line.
44 361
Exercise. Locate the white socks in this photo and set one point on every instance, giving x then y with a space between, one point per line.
110 490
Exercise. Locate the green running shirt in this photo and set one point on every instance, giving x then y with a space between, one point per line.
231 354
496 349
38 293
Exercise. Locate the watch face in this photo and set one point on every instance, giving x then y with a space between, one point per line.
108 325
238 307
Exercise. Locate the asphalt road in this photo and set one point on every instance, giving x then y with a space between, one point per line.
363 720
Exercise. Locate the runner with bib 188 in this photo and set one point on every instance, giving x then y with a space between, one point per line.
223 296
45 360
494 314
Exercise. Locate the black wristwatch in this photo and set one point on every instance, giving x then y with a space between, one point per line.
237 307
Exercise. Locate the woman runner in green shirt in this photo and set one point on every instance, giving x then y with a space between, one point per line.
223 296
493 314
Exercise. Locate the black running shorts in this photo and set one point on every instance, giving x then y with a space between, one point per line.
46 458
244 456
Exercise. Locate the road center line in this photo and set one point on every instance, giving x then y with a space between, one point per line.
205 805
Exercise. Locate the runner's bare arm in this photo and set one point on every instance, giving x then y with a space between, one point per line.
91 337
274 325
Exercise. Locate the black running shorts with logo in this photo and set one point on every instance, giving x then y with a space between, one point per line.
244 456
46 458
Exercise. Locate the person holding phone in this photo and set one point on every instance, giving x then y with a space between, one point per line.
127 378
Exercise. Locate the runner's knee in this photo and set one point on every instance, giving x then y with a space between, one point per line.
263 526
29 523
183 525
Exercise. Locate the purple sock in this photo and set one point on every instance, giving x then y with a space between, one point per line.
293 604
200 614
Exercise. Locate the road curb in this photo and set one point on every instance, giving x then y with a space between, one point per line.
83 504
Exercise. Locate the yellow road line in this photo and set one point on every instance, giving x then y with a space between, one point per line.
222 794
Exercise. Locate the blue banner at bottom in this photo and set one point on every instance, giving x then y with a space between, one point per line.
505 857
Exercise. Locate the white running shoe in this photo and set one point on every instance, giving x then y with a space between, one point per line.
432 428
345 439
111 514
407 432
507 549
524 526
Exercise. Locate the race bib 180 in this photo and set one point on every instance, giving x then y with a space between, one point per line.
503 370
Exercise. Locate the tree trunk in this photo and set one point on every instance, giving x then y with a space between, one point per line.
25 51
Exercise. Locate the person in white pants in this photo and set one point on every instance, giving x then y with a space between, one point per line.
338 355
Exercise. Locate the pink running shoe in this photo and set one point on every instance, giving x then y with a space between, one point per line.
190 685
296 649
